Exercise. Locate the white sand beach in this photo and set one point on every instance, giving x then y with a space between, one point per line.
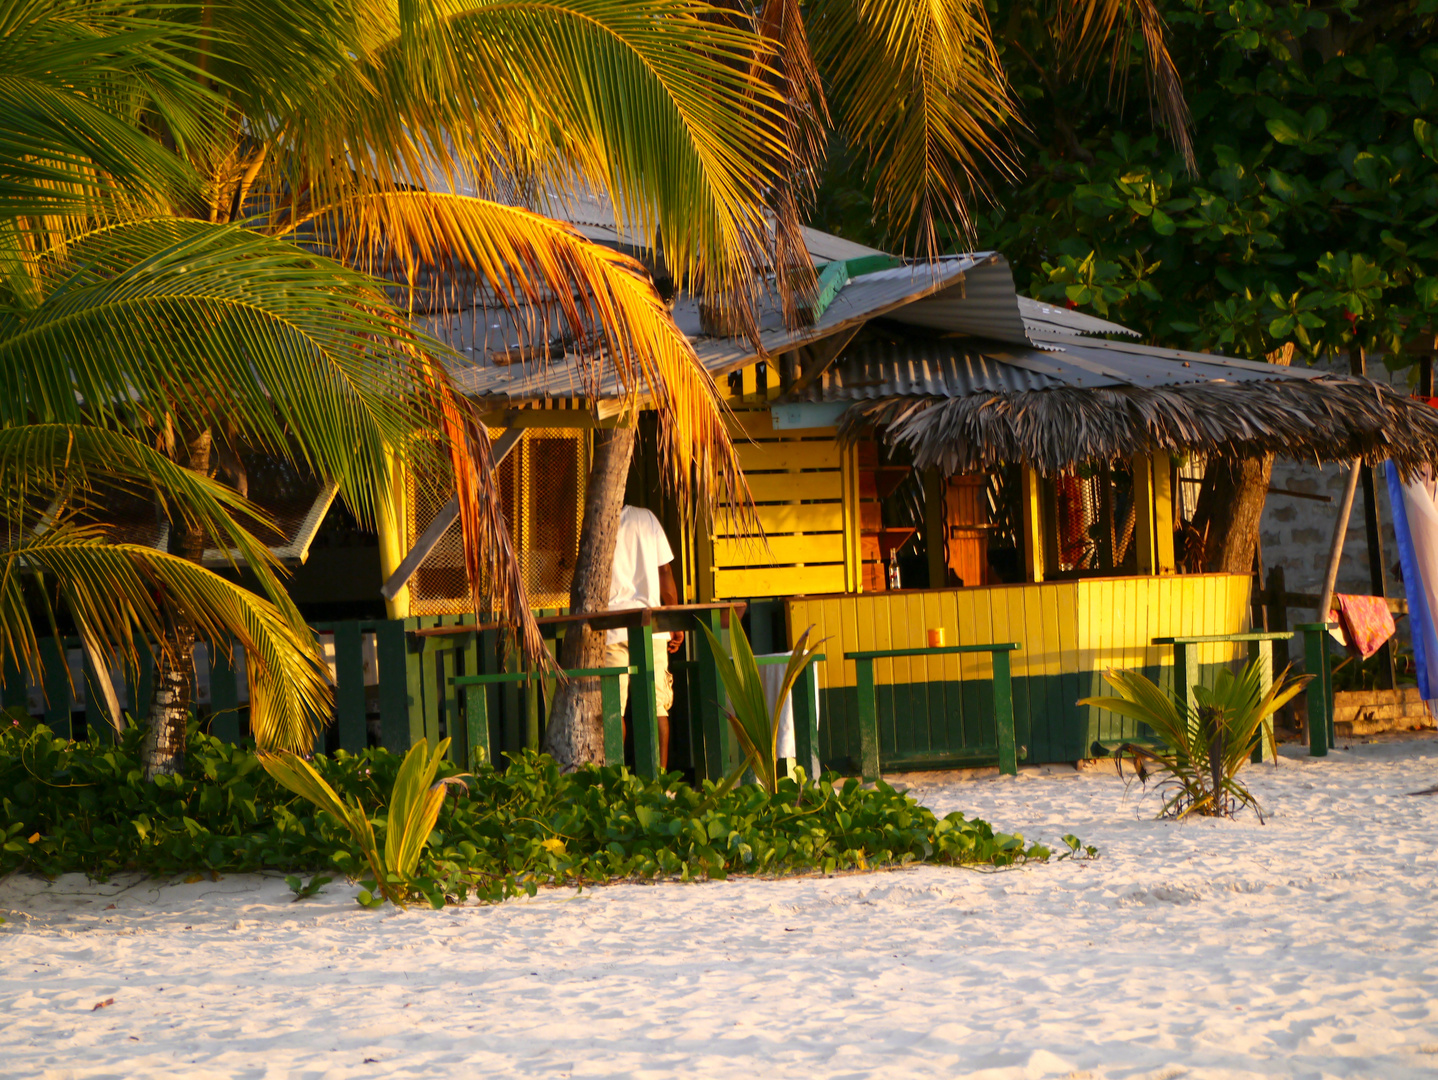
1303 947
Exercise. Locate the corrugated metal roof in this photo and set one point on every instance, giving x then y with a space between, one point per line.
986 304
1043 319
957 367
483 337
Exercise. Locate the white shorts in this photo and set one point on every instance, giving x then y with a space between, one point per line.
616 654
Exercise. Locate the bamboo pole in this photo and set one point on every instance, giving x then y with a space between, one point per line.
1335 552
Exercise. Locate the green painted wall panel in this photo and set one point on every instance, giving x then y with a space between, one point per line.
923 725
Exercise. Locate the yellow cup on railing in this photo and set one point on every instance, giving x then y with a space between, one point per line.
936 637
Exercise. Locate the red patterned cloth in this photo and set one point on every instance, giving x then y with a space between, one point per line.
1365 622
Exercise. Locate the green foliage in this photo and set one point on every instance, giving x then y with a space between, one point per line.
1308 219
83 807
412 811
1205 747
755 725
304 890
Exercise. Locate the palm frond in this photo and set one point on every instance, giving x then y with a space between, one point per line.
652 103
1088 26
559 284
115 591
917 85
225 327
76 76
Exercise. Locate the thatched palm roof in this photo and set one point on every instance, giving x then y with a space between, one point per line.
966 404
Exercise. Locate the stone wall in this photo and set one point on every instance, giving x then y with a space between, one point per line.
1296 533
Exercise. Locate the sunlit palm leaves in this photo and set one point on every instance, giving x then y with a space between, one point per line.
1203 748
75 80
58 554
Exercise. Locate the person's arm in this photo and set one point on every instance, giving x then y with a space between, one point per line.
669 594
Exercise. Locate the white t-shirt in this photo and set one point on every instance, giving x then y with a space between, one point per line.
640 549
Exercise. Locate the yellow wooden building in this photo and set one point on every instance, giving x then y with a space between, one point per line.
933 452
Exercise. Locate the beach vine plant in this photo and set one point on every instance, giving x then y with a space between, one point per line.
1203 748
84 807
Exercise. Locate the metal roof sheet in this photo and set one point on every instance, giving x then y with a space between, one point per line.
483 337
957 367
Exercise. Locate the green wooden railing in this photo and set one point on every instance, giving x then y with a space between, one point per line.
1006 751
1260 648
448 675
1186 674
476 707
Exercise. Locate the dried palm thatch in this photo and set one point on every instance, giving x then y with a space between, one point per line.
1321 417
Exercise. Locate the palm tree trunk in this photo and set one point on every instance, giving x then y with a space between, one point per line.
164 747
576 731
1230 507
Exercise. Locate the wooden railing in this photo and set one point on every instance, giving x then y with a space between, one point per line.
1261 649
1006 751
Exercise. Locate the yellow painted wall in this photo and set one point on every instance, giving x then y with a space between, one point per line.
797 479
1064 626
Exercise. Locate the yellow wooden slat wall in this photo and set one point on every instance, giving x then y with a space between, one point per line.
1043 618
796 479
1120 617
1065 627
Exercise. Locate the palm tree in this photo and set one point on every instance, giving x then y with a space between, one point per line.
190 260
918 89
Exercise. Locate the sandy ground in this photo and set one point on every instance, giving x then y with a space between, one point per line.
1302 947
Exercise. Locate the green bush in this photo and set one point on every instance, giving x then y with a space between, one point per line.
83 807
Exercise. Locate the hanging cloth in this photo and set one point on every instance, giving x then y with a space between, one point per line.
1415 521
1364 622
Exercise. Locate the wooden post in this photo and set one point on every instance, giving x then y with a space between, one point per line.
1143 513
1185 674
1335 550
1033 525
613 717
710 700
1161 485
1107 539
392 516
853 519
868 720
1320 720
806 718
394 700
935 528
643 702
476 726
1004 715
349 687
1261 652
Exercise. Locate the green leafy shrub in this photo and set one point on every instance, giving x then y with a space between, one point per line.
1205 747
84 807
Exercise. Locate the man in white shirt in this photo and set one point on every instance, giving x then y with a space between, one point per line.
642 578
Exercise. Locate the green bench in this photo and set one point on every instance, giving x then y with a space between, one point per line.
1007 749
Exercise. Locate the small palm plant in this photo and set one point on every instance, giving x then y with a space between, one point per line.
755 725
1204 747
414 807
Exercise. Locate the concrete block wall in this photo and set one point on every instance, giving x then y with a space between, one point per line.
1296 533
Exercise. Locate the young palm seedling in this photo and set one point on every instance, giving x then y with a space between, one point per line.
414 807
1203 747
755 725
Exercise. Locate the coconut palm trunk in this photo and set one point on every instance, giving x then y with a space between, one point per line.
576 730
173 696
